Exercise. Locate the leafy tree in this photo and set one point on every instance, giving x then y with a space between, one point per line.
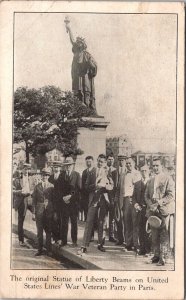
46 118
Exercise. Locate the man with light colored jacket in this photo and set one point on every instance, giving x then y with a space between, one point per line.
160 200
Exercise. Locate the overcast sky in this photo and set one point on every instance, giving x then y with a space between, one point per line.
136 57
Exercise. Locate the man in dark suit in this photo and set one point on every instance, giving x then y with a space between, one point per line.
84 192
54 179
139 218
70 186
43 211
21 191
160 200
98 183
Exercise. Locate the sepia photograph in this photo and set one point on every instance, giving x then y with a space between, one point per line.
92 150
94 166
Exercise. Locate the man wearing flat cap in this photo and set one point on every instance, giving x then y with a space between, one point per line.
160 200
43 211
70 186
21 191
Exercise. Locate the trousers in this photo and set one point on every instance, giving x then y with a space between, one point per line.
21 217
102 210
160 239
44 223
56 225
69 211
127 215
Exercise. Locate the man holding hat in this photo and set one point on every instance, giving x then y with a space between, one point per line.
98 184
21 191
160 200
70 186
43 211
139 218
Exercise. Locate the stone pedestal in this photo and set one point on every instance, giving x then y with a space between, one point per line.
91 141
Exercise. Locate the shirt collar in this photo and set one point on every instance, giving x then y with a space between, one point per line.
90 169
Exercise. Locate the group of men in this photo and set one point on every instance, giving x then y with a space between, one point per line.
128 197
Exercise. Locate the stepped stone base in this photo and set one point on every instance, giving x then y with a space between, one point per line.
91 141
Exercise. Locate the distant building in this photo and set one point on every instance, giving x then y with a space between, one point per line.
119 144
54 154
44 160
38 162
142 158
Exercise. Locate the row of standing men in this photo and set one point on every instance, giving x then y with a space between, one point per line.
128 196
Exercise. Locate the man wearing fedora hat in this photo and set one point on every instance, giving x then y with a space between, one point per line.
43 211
21 191
160 200
70 186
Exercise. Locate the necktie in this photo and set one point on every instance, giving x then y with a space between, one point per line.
67 175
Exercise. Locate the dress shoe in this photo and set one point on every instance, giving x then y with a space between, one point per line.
103 242
155 259
22 244
141 252
49 253
129 248
74 245
161 262
39 253
112 239
119 243
82 250
59 242
136 250
101 248
63 244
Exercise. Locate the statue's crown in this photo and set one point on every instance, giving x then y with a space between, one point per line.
82 40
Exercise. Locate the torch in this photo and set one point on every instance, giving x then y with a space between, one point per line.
67 21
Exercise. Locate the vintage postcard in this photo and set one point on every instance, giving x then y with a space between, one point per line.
92 140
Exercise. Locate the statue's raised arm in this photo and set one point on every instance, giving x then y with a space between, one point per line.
69 30
84 69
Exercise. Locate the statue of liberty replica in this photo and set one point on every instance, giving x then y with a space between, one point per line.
84 69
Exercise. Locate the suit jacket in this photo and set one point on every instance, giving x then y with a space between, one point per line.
115 176
70 186
56 184
84 178
118 187
139 193
90 186
18 196
165 192
39 196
